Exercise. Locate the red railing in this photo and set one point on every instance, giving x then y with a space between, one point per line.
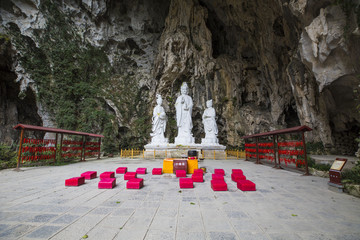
289 153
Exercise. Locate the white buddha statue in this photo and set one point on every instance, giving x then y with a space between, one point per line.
183 107
210 127
158 123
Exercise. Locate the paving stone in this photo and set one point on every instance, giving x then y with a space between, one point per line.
190 235
222 236
44 232
67 218
159 234
42 218
284 236
16 231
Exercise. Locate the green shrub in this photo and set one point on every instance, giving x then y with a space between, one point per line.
7 157
315 148
352 175
318 166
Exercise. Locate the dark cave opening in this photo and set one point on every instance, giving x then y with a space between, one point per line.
344 117
291 117
15 107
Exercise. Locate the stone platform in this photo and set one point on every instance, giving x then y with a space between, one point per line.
172 150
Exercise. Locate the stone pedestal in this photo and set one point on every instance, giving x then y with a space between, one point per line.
184 140
209 141
210 151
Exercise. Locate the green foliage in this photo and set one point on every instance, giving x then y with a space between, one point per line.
318 166
69 72
315 148
352 175
110 145
7 157
4 37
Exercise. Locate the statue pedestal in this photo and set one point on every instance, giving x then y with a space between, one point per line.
209 141
159 140
171 150
184 140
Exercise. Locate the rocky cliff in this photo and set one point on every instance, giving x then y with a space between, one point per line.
266 64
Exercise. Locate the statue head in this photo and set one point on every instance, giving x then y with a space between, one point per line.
209 103
158 99
184 88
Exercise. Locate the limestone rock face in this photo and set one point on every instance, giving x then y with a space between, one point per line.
266 64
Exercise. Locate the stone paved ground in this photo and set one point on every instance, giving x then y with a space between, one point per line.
35 204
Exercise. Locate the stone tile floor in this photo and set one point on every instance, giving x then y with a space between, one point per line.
35 204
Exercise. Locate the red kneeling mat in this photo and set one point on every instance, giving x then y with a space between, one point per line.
246 185
75 181
217 177
121 170
186 183
180 173
219 171
135 183
130 175
237 176
237 171
107 175
141 171
107 183
157 171
89 175
197 177
218 185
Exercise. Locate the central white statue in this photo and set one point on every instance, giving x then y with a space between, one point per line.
183 107
210 127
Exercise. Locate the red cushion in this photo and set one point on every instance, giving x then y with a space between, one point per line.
219 171
196 177
218 185
217 177
130 175
237 176
246 185
200 171
237 171
121 170
157 171
89 174
75 181
186 183
135 183
107 175
180 173
141 171
107 183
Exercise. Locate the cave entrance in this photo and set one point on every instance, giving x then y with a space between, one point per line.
341 101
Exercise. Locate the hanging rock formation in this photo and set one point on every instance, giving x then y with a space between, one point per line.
266 64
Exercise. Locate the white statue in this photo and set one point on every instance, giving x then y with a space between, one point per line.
183 107
210 127
158 123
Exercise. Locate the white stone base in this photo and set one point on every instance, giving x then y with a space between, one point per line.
184 140
206 141
157 140
171 150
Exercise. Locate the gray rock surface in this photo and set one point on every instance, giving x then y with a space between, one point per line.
267 65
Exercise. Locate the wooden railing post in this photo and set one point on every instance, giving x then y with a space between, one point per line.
99 146
56 140
305 155
20 149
